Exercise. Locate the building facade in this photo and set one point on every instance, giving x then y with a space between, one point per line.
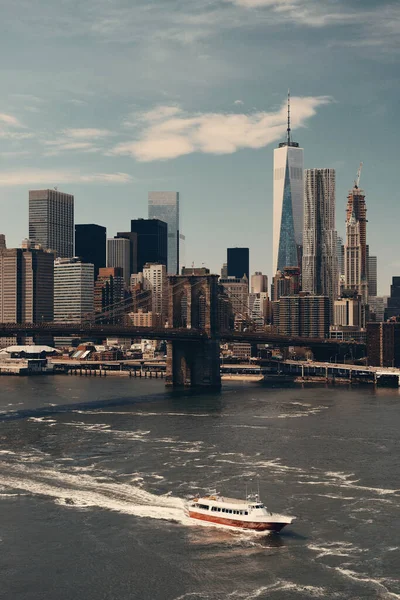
51 221
91 245
237 290
238 262
303 315
109 295
259 283
383 344
165 207
393 302
152 241
73 291
26 284
372 276
119 255
356 252
132 237
287 204
348 312
286 283
320 268
155 280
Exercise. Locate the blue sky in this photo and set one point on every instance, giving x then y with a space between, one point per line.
109 99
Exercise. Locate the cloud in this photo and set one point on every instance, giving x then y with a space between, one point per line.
56 177
164 133
86 133
10 121
238 102
82 139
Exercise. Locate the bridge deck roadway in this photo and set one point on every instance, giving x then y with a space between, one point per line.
169 334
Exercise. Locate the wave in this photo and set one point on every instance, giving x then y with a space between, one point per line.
376 583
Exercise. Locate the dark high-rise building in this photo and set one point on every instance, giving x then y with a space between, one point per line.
152 241
238 262
132 237
383 344
51 221
91 244
393 303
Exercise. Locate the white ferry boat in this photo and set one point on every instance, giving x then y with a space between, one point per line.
232 512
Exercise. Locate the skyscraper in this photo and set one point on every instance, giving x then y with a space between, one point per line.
165 207
91 245
152 241
51 221
356 212
132 237
393 303
155 279
119 255
288 203
372 276
238 262
109 295
26 284
73 290
320 269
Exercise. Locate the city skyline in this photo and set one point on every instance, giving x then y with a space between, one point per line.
97 133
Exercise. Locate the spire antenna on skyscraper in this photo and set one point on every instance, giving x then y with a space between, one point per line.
288 117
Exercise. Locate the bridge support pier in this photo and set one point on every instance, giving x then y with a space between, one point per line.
193 364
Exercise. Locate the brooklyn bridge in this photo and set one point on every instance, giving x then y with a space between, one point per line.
193 350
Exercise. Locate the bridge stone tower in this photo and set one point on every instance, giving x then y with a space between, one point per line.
193 304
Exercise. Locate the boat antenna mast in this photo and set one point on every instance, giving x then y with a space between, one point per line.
288 118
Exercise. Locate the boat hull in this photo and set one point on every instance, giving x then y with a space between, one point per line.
251 525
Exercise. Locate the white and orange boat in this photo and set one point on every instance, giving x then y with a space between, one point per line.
242 514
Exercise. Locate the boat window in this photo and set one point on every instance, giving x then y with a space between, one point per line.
230 510
214 508
204 506
246 512
219 510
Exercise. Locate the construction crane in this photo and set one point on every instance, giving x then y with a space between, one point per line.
357 181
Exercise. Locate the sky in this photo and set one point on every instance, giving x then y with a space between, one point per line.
111 99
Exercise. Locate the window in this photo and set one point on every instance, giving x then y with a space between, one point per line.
246 512
204 506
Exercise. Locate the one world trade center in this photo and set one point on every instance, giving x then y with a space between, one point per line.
288 203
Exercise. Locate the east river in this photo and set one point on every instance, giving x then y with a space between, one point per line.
94 474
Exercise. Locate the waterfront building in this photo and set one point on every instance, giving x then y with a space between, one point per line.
383 344
393 302
224 271
155 280
110 295
51 221
119 254
259 307
73 290
152 241
320 269
91 245
165 207
287 203
259 283
3 245
237 290
340 255
238 262
304 315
